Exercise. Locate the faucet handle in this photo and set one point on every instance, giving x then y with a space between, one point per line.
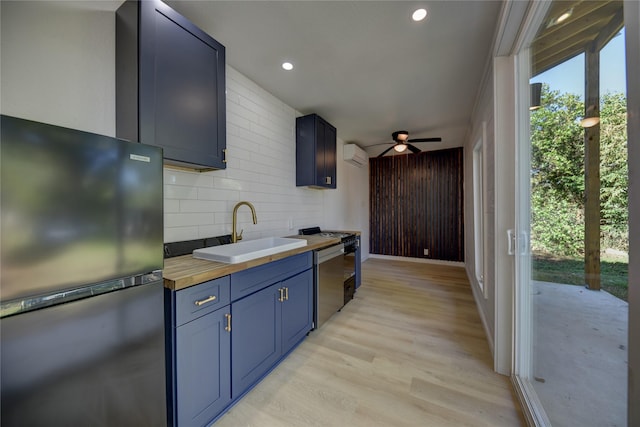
239 236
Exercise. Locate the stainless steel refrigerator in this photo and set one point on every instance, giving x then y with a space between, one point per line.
81 295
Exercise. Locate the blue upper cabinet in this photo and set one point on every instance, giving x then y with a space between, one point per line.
170 85
315 152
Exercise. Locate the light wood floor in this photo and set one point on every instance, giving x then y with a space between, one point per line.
409 350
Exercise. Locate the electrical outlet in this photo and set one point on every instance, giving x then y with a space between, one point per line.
426 251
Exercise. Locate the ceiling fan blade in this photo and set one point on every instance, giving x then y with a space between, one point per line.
425 140
413 149
385 151
382 143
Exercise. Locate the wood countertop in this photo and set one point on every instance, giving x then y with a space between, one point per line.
184 271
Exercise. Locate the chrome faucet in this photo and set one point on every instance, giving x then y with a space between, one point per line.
235 237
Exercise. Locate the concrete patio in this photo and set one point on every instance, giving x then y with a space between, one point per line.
580 355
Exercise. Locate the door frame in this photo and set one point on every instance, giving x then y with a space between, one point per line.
632 42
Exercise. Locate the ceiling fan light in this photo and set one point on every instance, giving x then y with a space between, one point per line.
400 147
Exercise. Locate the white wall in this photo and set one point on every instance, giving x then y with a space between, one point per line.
349 209
482 117
495 110
57 66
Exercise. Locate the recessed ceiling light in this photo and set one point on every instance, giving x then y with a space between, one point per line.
419 14
564 16
287 66
560 19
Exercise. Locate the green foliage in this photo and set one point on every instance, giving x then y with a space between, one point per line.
557 146
614 178
557 226
557 174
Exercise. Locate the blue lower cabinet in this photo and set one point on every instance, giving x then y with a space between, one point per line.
266 325
229 332
297 309
256 345
203 380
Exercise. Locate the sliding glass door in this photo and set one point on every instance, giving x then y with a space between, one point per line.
571 239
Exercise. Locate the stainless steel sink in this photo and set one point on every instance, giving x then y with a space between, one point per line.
249 249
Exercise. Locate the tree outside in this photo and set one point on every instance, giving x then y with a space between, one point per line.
557 190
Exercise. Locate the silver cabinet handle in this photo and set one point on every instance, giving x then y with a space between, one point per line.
286 294
228 327
206 300
281 294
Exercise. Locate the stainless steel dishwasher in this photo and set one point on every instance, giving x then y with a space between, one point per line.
328 268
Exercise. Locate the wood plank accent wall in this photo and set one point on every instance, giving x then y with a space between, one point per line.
416 203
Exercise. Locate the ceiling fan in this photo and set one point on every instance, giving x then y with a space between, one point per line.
401 142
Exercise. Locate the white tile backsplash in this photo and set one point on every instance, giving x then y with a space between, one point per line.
260 169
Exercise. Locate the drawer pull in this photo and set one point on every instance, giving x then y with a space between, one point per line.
206 300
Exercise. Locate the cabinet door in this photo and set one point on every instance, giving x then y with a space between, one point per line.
315 152
256 345
321 151
203 385
297 309
329 150
182 88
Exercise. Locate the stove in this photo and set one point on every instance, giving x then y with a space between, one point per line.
338 234
349 239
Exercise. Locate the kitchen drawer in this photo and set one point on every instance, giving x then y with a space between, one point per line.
201 299
248 281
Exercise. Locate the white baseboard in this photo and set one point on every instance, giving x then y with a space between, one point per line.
478 296
419 260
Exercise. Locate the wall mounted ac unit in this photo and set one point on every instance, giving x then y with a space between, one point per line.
355 155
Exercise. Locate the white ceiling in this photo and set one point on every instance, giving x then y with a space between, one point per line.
364 66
